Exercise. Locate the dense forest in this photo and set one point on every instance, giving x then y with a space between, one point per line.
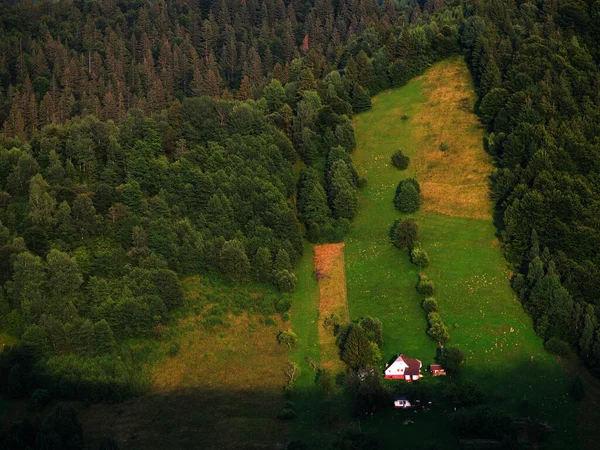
146 141
537 76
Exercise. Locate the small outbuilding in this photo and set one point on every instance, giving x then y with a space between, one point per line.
436 370
404 368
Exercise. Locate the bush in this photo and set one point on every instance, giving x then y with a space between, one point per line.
444 146
288 338
400 160
407 199
283 304
419 257
429 305
403 234
450 358
557 347
437 330
425 286
285 281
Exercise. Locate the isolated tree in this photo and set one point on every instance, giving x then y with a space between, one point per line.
450 359
407 198
400 160
288 338
404 233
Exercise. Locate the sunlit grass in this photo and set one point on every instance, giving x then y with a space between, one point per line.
504 356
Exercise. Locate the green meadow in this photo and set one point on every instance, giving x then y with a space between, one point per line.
504 357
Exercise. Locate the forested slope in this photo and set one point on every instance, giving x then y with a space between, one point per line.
536 70
144 141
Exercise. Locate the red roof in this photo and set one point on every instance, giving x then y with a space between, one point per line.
414 366
435 367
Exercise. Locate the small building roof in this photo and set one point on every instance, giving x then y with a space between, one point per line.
435 367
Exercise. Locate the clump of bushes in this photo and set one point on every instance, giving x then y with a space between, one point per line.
429 305
450 358
407 198
288 338
418 256
283 304
437 330
400 160
359 342
425 286
404 233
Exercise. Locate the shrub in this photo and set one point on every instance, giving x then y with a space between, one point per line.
288 338
425 286
430 305
403 234
283 304
419 257
285 281
407 199
437 330
400 160
332 320
557 347
450 358
444 146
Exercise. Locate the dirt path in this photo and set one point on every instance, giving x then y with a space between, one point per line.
331 275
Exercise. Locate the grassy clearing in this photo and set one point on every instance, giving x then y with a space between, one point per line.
211 387
505 357
329 266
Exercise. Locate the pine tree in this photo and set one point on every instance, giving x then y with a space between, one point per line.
105 339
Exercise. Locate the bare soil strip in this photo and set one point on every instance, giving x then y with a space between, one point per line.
331 276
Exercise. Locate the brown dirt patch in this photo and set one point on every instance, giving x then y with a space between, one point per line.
455 181
330 271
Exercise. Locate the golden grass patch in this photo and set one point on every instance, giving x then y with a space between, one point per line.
222 390
331 275
455 181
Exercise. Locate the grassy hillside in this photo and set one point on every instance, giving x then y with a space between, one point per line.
504 356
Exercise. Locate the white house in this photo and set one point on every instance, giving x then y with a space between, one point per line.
404 368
